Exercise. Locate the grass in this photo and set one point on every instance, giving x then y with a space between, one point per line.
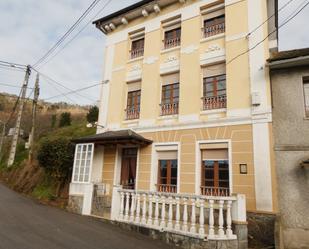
44 191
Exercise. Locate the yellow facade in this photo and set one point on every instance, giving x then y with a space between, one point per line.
236 123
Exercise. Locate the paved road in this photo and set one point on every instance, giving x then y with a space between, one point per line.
25 224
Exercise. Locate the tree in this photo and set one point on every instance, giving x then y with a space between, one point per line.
92 115
65 119
56 157
53 120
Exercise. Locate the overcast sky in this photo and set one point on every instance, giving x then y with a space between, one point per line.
28 28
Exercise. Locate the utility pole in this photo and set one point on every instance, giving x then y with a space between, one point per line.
34 106
2 137
20 112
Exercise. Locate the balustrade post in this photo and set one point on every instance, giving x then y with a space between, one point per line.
138 208
149 222
132 207
229 231
193 218
177 223
126 216
185 215
144 210
170 213
163 223
202 228
156 219
121 205
211 231
221 221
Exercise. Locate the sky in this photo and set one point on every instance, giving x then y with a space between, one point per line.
29 28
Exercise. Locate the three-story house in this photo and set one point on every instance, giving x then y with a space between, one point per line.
185 118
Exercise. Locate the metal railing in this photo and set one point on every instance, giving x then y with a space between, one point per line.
214 29
132 113
216 102
168 188
172 42
169 109
136 53
215 191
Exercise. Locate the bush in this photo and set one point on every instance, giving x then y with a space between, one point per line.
65 119
56 157
92 115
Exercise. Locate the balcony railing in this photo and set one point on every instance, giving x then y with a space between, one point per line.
214 29
213 191
169 109
132 113
216 102
204 217
172 42
168 188
136 53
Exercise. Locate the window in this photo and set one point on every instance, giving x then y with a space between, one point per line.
133 104
172 38
306 96
214 26
167 176
170 99
215 169
214 87
82 162
137 48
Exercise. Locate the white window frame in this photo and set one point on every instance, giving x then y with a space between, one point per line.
155 164
198 161
305 80
86 158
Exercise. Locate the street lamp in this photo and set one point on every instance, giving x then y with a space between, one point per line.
95 124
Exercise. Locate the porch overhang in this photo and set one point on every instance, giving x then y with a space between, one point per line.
120 137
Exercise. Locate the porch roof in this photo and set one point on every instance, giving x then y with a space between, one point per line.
123 137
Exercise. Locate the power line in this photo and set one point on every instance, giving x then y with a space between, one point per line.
75 91
71 29
13 86
59 84
13 64
269 34
283 7
80 31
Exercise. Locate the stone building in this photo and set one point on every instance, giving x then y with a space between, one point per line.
289 72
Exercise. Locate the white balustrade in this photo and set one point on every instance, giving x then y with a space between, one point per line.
170 212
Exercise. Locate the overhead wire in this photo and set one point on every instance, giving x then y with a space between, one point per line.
269 34
73 38
68 32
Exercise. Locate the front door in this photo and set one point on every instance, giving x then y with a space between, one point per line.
128 168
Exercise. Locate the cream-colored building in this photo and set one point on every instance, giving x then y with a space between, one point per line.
185 120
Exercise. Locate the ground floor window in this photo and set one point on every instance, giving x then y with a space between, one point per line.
215 172
82 162
167 176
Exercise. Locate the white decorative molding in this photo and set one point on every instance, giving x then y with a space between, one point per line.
146 122
135 73
188 118
213 54
214 37
215 111
189 49
244 112
170 65
150 60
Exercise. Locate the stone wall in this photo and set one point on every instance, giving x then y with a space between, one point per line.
75 204
291 136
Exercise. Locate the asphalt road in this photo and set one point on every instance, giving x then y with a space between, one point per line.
26 224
